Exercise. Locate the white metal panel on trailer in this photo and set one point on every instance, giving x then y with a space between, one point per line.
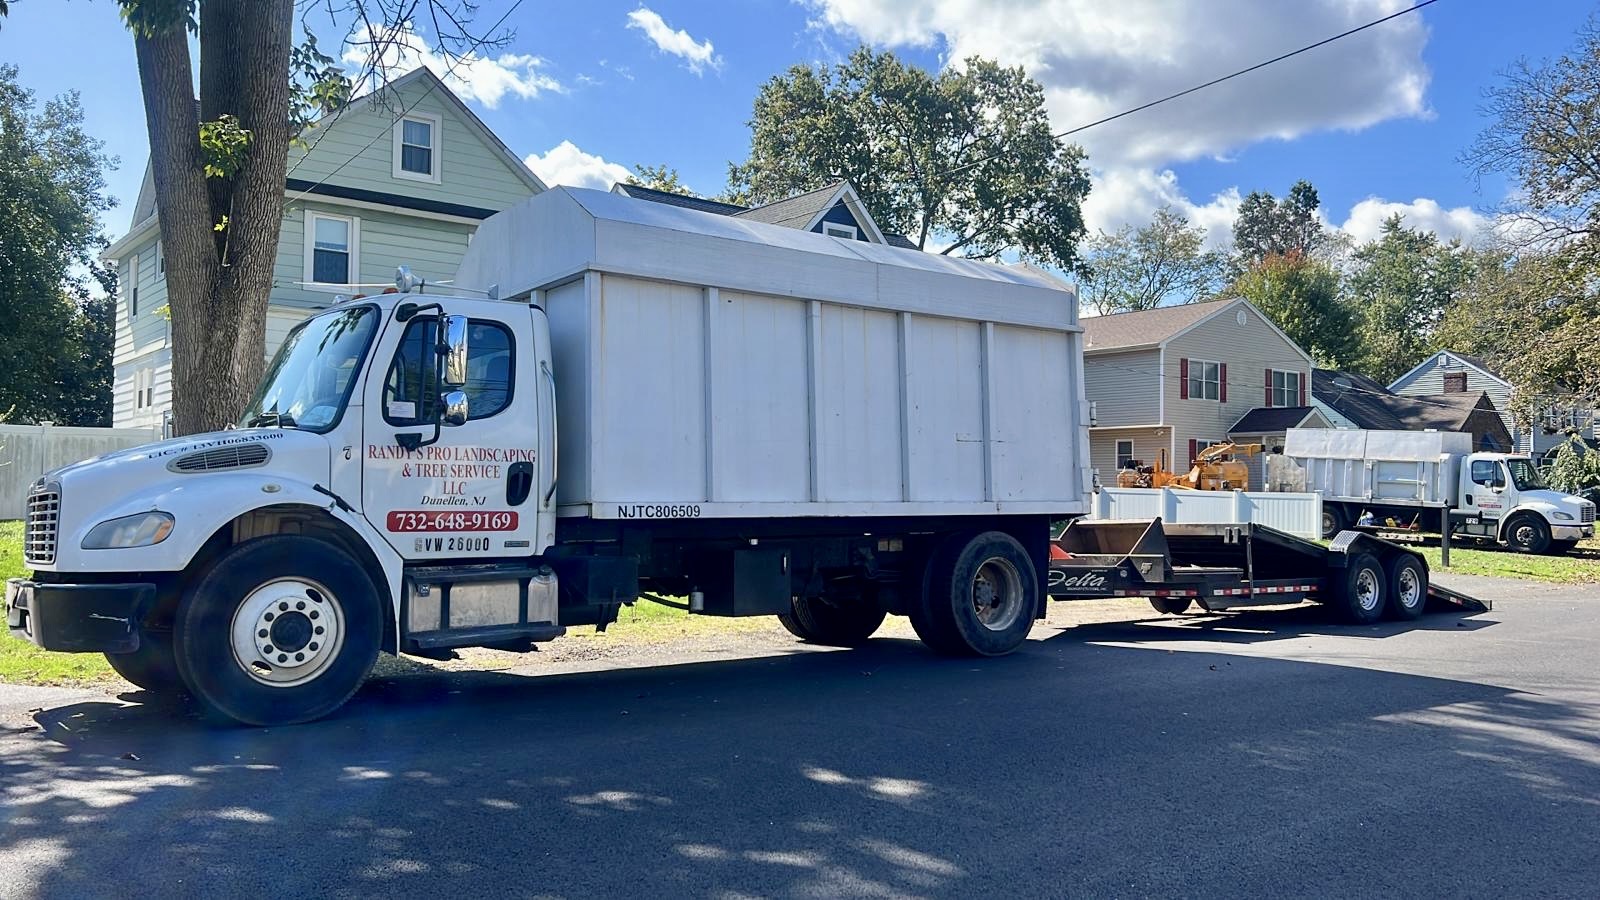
1407 468
710 367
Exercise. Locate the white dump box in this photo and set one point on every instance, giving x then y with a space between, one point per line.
710 366
1418 468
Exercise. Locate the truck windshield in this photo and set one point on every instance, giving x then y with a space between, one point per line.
310 379
1525 476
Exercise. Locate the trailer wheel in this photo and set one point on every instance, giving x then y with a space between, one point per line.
816 621
1408 587
152 667
979 598
1527 534
1171 606
1361 592
1333 519
281 630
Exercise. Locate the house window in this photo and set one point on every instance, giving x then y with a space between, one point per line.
1205 380
161 261
416 148
848 232
1285 388
1455 382
143 388
333 250
1124 454
133 286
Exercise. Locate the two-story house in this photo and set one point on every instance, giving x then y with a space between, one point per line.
1171 381
402 177
1450 373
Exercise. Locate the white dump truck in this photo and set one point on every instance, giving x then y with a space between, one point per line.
651 401
1418 478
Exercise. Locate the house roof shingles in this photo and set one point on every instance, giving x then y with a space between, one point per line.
1271 419
1144 328
684 201
1371 405
793 212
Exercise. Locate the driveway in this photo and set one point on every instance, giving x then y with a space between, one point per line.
1257 754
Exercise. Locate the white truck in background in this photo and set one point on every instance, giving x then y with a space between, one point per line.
1418 478
666 402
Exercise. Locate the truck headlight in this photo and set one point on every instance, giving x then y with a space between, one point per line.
1564 516
139 530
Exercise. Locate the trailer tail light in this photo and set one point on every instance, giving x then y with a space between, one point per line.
39 537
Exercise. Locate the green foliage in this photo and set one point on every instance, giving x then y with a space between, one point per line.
149 18
1163 262
1403 284
966 159
1302 297
52 190
225 145
1267 226
317 84
1576 466
660 178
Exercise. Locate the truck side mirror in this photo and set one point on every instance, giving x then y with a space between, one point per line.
453 347
454 408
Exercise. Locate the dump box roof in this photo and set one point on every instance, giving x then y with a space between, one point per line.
555 236
1411 446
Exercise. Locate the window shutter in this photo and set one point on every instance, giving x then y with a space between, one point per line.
1269 387
1183 379
1222 382
1194 450
1302 389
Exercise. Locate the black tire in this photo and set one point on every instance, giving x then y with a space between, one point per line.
1527 534
1560 548
980 596
816 621
1171 606
1408 588
153 666
1361 589
1334 519
314 601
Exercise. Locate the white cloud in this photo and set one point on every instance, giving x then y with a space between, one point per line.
1472 227
1131 196
485 79
696 55
566 164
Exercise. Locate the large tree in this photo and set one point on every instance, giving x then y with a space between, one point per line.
1302 296
964 161
54 360
1268 226
1163 262
1402 284
219 164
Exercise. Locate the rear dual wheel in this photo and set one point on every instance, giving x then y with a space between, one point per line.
979 596
1369 589
818 621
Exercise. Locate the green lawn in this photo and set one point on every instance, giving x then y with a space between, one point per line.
1580 566
22 662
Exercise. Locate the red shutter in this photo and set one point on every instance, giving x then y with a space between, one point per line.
1183 379
1269 387
1302 389
1194 450
1222 385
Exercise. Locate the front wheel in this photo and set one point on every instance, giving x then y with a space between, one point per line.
153 666
281 630
816 621
1527 534
1333 519
979 598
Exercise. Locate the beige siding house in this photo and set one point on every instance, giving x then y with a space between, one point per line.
400 178
1169 382
1448 374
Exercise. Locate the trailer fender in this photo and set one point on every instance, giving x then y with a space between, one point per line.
1348 544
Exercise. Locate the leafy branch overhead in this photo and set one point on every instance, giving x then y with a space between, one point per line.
964 162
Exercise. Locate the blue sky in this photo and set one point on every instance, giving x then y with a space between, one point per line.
1376 122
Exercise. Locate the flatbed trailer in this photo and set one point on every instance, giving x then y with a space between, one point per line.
1218 567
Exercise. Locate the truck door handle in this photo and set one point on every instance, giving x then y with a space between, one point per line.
519 483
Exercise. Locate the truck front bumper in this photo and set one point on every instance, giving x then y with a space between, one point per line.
78 618
1571 532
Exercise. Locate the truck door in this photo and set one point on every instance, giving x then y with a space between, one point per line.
454 491
1483 487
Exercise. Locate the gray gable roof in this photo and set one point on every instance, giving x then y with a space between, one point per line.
1272 419
1144 328
683 201
1371 405
797 211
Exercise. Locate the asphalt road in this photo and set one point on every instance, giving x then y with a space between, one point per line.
1261 754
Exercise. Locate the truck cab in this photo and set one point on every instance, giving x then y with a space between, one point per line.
1505 498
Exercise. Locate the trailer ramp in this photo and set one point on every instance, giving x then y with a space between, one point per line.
1442 594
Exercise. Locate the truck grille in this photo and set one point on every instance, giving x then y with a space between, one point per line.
1588 513
39 540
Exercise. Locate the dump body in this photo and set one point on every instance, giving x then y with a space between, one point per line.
711 367
1401 468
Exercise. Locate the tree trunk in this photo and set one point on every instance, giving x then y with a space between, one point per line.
219 281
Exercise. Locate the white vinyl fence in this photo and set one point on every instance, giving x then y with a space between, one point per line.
1297 513
28 451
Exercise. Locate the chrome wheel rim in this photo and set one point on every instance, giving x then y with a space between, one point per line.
997 594
1410 588
1524 536
287 632
1368 593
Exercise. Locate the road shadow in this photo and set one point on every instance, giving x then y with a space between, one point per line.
1255 626
1069 768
